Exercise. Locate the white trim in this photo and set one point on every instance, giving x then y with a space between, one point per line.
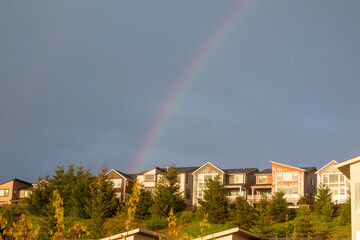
229 232
193 173
333 161
118 173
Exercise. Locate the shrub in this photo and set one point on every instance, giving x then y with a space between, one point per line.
156 223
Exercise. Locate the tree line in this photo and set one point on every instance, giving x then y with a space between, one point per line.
91 200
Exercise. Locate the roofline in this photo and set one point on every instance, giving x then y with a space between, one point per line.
119 174
141 173
332 161
288 166
348 161
16 179
204 165
243 232
141 231
344 166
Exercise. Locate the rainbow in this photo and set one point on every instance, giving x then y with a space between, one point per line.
189 75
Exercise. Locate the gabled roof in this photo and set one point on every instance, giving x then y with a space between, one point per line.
332 162
265 171
16 180
344 166
241 170
124 175
160 169
211 165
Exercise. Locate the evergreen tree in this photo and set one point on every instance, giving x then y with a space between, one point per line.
167 195
264 219
81 192
304 226
39 202
143 207
243 214
324 207
345 212
103 202
215 201
278 207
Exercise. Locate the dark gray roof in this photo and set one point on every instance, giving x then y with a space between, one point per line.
178 169
128 176
309 169
266 171
240 170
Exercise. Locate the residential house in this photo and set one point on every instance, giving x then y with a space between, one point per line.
231 234
295 182
236 181
150 178
351 169
262 186
137 234
14 190
332 177
122 183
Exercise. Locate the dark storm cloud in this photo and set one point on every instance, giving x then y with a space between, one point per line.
84 82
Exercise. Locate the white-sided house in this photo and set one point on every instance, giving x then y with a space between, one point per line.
150 178
123 183
351 169
332 177
237 181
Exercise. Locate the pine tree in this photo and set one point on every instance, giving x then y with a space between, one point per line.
243 214
345 212
215 201
278 207
167 195
103 202
144 205
324 207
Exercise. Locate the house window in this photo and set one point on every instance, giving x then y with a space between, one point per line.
262 179
2 202
333 178
117 183
288 189
27 193
239 178
150 178
4 192
186 178
118 195
200 193
233 193
287 176
202 178
187 193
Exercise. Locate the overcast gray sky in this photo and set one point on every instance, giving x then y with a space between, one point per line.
85 81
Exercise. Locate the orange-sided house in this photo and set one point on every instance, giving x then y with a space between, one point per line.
236 181
333 178
14 190
122 183
150 178
295 182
